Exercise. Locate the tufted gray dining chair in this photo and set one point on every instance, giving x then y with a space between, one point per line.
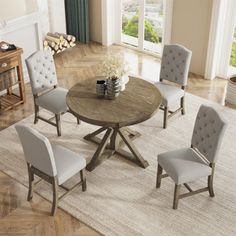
52 163
174 68
189 164
47 94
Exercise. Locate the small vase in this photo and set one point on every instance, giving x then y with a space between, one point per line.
113 88
101 88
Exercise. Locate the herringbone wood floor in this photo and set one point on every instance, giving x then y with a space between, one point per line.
19 217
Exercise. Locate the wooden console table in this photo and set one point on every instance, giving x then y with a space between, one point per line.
11 74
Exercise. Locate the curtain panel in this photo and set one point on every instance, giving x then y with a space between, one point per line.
77 19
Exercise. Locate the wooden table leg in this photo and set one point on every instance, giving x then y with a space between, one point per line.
138 157
130 133
92 136
112 142
96 160
115 140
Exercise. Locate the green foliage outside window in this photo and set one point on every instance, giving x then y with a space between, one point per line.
233 55
130 27
125 21
233 51
150 33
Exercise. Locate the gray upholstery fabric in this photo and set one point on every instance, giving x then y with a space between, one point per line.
37 149
68 163
169 93
54 100
208 132
186 165
53 160
175 64
183 165
42 72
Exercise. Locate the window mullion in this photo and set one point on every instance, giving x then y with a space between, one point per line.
141 27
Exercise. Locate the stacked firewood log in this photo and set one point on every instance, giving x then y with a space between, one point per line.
58 42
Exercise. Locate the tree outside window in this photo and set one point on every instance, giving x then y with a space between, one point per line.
130 27
233 51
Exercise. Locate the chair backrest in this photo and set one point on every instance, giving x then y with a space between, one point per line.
42 71
208 132
37 149
175 64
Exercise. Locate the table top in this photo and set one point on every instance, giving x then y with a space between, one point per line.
137 103
7 54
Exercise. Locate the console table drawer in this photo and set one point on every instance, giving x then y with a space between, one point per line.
8 64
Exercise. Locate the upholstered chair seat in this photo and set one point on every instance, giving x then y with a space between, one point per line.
169 93
175 64
43 81
54 100
67 163
186 165
51 162
183 165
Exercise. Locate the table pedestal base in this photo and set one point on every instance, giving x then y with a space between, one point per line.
112 143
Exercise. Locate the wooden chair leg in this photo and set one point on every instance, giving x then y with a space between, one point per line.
166 110
210 180
83 180
182 105
210 186
31 183
176 196
36 113
78 121
55 196
159 173
58 122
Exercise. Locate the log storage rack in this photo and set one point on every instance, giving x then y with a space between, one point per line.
58 42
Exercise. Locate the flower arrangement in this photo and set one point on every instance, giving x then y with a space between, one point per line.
114 67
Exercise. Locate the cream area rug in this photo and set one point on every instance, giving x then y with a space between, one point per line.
121 198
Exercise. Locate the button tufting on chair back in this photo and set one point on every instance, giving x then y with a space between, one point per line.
175 64
208 132
42 71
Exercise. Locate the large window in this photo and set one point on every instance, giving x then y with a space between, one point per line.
232 66
130 22
142 24
233 50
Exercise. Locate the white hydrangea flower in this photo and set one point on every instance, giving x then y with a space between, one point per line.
114 66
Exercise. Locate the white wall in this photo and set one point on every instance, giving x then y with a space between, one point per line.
57 16
95 20
44 16
111 22
52 11
30 5
52 15
25 23
20 24
24 32
25 37
104 21
10 9
190 27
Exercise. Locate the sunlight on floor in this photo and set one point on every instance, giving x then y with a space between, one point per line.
142 65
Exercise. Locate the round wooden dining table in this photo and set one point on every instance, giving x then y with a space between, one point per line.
137 103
